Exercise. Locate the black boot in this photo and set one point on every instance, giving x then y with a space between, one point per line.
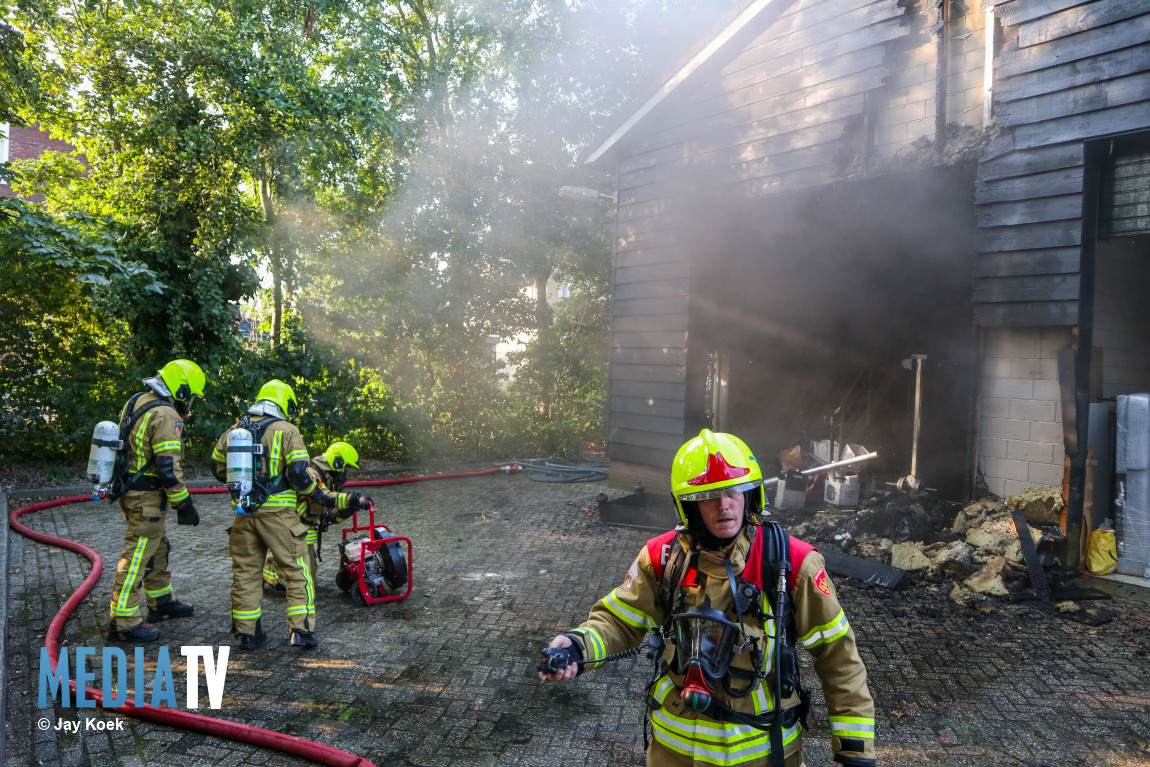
301 638
140 633
167 608
249 641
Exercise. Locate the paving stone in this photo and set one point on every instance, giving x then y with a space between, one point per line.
502 564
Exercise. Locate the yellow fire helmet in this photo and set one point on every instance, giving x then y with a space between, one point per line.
340 455
184 379
279 393
711 465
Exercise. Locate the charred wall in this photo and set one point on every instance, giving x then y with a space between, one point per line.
816 298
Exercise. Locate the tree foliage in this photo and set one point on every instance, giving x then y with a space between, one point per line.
389 168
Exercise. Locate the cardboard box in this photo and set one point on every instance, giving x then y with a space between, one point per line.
791 492
842 491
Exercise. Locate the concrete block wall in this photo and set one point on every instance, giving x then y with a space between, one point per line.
908 110
1020 409
965 85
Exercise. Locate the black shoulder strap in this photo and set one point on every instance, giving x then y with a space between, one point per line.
672 573
131 417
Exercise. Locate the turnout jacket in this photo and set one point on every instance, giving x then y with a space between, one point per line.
285 459
620 620
156 449
310 510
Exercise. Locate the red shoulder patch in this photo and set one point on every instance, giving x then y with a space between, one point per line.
659 550
821 582
179 428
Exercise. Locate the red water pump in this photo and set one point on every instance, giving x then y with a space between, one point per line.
375 567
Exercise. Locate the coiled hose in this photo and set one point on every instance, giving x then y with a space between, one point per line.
552 470
222 728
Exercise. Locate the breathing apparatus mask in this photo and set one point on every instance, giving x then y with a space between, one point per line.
705 641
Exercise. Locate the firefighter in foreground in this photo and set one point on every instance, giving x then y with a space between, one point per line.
330 470
265 515
714 589
151 480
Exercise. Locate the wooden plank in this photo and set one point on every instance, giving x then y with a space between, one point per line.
1044 287
667 257
657 339
1075 101
1024 262
650 322
659 458
1081 46
803 178
650 423
648 389
1106 66
712 125
1062 208
1078 19
1050 184
1051 234
1130 117
1014 13
661 289
642 355
659 373
647 406
771 138
647 306
663 270
628 239
1036 160
849 30
1040 314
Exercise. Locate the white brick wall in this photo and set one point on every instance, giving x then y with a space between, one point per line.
909 109
1020 412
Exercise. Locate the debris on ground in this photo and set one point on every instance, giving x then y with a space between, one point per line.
976 548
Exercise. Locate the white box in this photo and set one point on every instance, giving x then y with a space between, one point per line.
842 491
791 492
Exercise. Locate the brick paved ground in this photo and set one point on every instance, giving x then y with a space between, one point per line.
501 565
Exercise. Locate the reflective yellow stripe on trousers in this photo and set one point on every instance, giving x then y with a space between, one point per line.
709 741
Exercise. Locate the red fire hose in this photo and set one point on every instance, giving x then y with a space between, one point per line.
184 719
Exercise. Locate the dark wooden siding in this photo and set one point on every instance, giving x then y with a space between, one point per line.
1075 72
768 117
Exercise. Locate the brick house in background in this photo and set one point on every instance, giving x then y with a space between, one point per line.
26 144
823 188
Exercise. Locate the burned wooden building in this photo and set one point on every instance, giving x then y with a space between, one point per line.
824 192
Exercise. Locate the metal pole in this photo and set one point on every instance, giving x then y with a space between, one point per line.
918 358
837 464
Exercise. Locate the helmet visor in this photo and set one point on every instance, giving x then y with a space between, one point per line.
704 636
704 495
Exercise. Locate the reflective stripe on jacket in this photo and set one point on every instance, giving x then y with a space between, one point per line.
620 620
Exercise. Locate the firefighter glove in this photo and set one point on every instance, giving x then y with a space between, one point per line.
186 513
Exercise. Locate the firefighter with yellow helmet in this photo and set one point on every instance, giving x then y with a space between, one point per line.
727 597
265 515
151 479
329 469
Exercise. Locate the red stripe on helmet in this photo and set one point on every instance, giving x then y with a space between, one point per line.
718 470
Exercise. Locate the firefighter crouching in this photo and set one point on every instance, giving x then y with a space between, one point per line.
265 514
713 589
329 470
152 479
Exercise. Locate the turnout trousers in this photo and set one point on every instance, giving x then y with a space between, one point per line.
250 540
142 574
660 755
272 574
